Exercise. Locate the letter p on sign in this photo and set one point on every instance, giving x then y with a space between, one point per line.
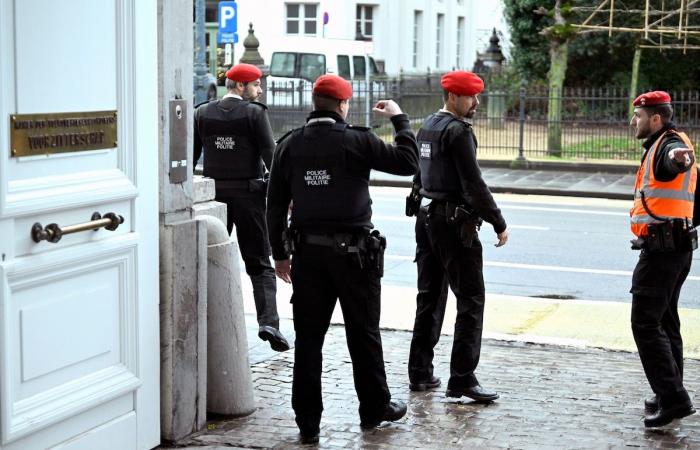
228 22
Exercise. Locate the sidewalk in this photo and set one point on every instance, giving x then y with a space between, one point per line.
552 397
598 180
557 390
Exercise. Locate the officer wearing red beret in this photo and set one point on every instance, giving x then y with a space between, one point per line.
236 137
323 168
661 218
448 249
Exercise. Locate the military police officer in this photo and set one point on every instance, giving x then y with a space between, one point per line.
323 169
237 139
661 218
448 249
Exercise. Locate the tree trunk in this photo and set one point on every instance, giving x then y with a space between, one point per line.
635 77
557 73
558 53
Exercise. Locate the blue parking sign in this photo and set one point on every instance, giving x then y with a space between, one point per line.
228 23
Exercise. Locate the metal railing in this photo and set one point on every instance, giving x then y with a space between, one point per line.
511 122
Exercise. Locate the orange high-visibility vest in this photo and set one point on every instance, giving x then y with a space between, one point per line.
665 199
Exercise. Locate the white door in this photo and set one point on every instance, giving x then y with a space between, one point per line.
79 348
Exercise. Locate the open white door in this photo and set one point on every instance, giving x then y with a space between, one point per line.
79 344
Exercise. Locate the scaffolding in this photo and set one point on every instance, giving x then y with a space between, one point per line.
663 24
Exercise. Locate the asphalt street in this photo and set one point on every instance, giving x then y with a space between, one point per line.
559 247
563 277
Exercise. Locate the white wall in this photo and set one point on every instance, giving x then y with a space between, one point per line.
393 28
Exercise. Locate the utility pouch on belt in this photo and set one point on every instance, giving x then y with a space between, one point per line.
660 238
667 237
375 245
692 239
413 201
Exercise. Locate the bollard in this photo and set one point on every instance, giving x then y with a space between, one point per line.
229 379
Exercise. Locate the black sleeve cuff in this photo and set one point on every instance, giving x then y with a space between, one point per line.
500 227
401 122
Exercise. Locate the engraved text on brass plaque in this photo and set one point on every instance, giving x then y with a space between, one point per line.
40 134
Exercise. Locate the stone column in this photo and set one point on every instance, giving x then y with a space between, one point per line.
229 379
183 260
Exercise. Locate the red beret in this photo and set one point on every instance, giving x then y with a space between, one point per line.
652 99
333 86
243 73
461 82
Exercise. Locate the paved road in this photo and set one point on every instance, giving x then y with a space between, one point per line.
559 247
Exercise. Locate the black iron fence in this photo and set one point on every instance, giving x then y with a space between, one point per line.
510 121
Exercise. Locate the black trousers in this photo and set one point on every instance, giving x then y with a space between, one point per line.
656 286
247 211
443 261
320 275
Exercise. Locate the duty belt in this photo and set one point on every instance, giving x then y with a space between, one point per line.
349 241
318 239
441 208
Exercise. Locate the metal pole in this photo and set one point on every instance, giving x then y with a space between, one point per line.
200 67
367 92
521 147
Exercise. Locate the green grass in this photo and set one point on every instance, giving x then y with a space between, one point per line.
603 147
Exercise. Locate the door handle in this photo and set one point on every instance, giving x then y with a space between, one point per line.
53 232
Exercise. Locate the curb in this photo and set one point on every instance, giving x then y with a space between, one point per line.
622 168
519 190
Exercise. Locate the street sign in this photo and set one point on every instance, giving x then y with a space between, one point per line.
228 55
228 23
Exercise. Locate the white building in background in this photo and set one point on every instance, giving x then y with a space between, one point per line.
408 35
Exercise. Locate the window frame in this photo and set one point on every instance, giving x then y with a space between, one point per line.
439 38
302 20
417 37
361 21
461 28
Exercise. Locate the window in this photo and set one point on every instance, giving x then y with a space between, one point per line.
439 40
363 17
359 63
301 19
344 67
460 37
417 37
297 65
373 70
282 64
311 66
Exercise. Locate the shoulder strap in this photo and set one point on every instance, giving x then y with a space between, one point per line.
358 128
262 105
444 129
339 126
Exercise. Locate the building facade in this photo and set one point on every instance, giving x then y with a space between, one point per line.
406 35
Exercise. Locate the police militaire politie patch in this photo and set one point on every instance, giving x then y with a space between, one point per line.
318 178
425 150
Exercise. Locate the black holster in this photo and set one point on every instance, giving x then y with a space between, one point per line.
413 201
290 240
375 244
467 222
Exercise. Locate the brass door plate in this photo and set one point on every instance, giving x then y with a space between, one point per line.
43 134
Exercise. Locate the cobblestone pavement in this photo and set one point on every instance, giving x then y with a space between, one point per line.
551 398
